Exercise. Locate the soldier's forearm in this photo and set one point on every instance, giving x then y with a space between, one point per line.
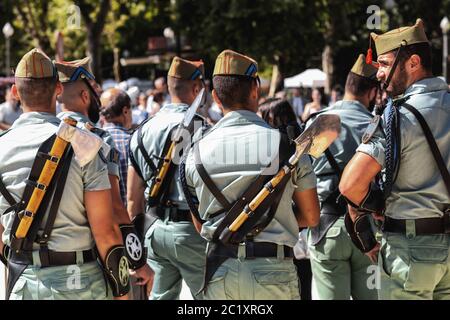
308 207
357 176
135 193
119 210
104 228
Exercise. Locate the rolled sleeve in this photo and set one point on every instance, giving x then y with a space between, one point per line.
95 175
306 178
113 169
375 147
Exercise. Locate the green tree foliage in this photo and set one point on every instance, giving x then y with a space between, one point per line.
294 34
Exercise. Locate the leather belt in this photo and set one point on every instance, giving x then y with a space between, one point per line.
172 213
49 258
262 250
424 226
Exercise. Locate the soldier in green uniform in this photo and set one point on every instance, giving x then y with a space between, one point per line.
226 162
411 147
55 258
80 101
175 250
340 270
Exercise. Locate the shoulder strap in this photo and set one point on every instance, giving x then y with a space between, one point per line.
332 161
432 143
207 179
185 187
143 151
38 164
6 194
56 200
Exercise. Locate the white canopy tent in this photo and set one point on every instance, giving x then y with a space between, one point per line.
310 78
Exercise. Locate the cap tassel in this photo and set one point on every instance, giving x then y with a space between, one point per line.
369 56
369 52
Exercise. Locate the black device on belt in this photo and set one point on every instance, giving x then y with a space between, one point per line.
424 226
175 215
51 258
180 215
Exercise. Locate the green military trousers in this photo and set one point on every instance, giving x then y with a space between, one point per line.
175 252
254 279
73 282
340 270
414 267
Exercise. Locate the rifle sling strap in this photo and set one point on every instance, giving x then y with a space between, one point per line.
432 144
50 196
207 179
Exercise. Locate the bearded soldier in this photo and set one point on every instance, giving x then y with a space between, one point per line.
411 147
81 102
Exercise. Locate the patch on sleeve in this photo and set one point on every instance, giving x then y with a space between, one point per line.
102 157
371 129
114 156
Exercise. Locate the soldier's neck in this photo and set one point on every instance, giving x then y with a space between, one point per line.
39 109
65 108
351 97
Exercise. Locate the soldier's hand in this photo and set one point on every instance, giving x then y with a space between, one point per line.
144 275
373 254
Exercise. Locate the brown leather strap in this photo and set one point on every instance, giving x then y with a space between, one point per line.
207 179
432 144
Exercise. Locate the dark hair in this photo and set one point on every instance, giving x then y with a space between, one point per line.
277 112
358 85
117 103
338 89
36 92
423 50
179 87
233 90
323 97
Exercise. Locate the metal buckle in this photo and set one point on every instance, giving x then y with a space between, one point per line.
41 186
54 159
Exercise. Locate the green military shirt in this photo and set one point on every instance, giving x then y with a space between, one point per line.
233 153
155 133
354 120
112 158
419 191
18 147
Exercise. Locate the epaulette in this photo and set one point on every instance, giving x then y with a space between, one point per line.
141 124
98 131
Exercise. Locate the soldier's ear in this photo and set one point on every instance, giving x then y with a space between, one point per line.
14 92
414 62
84 95
216 98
